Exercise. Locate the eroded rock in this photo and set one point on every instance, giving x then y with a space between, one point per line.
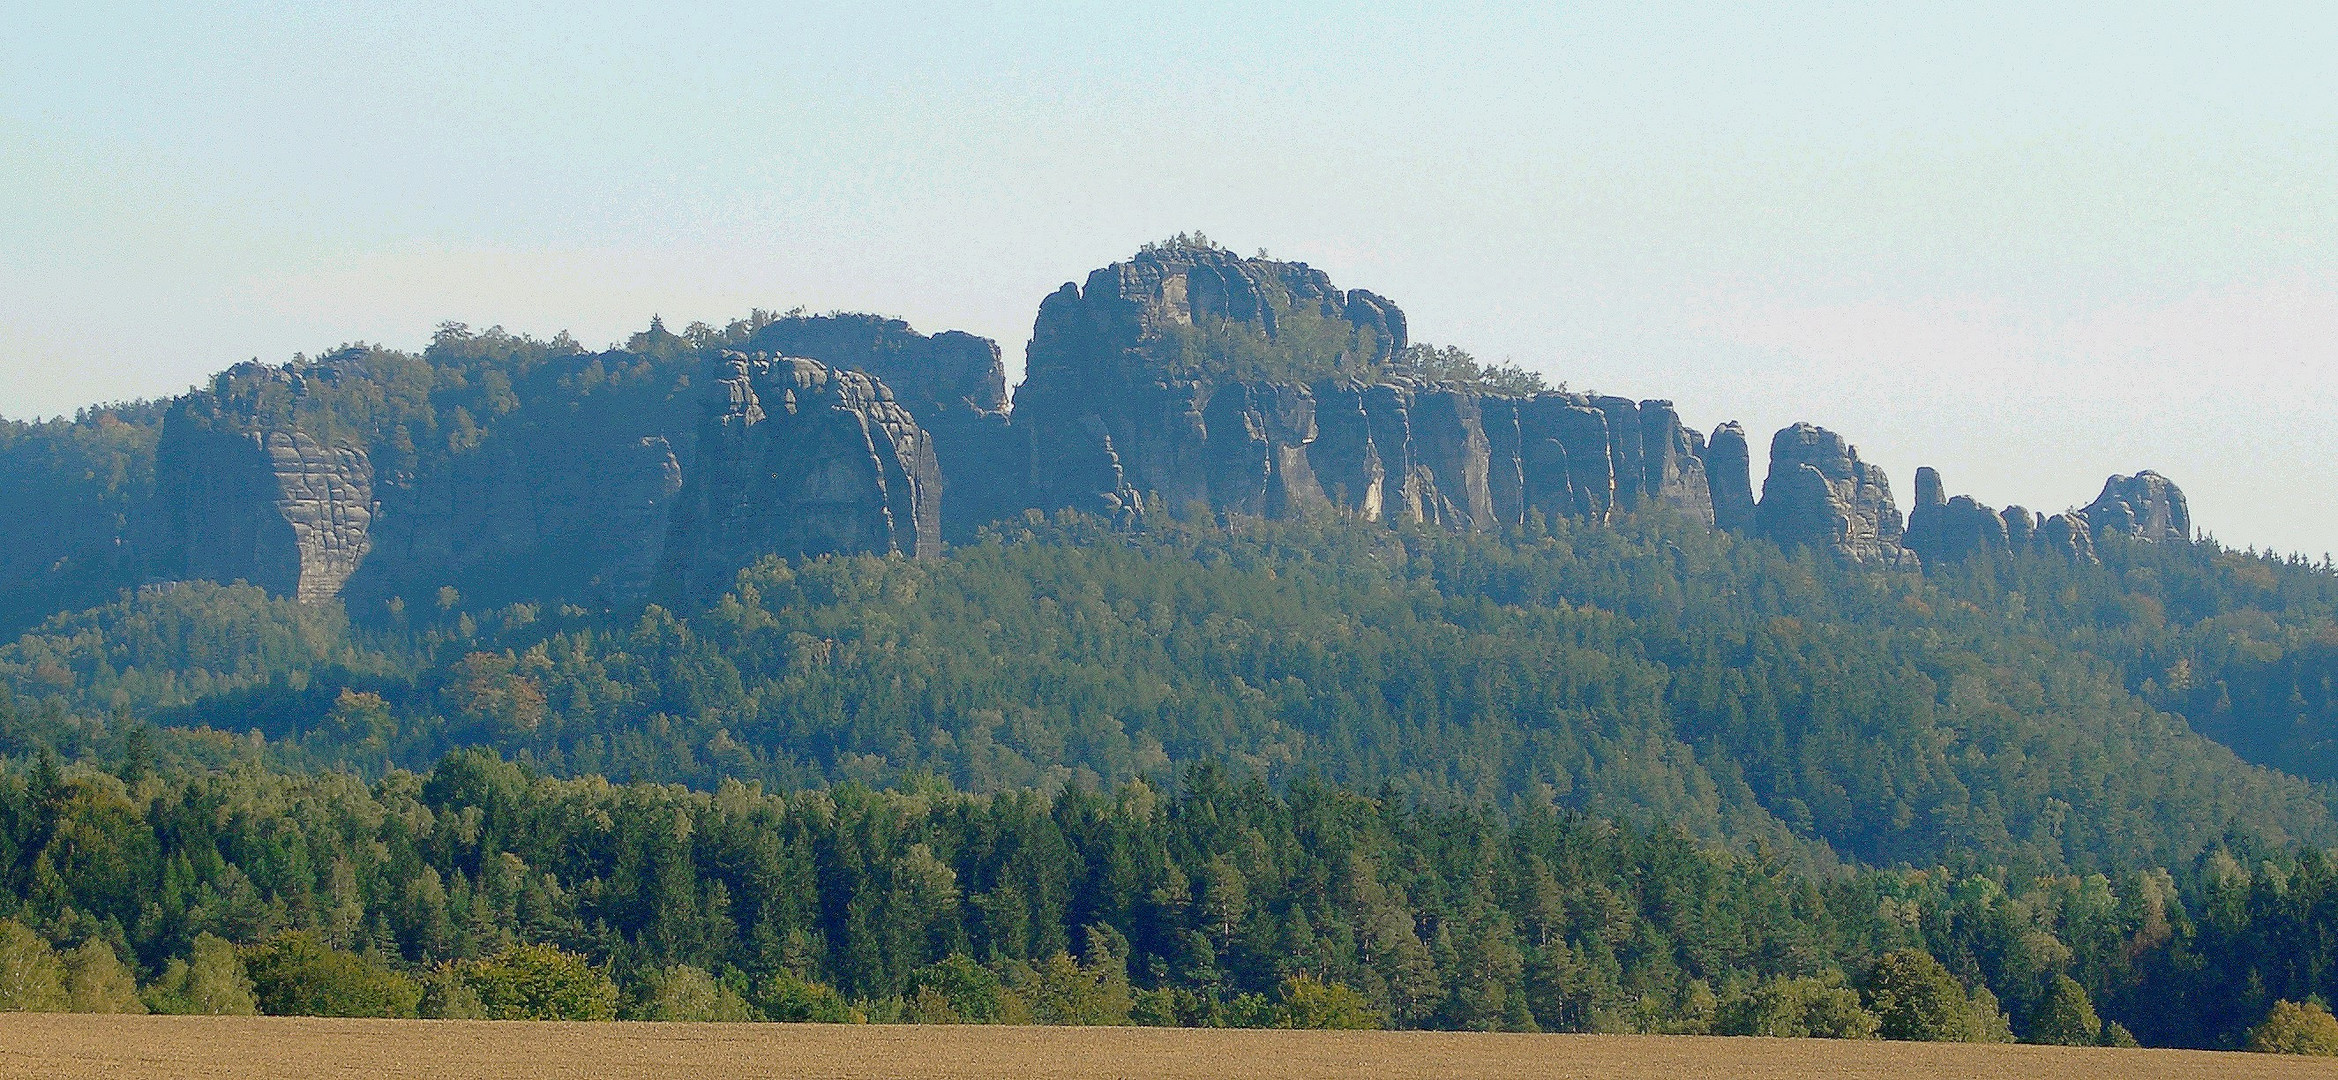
1729 473
2145 506
797 458
244 495
1819 494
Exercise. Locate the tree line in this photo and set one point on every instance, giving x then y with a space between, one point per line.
481 888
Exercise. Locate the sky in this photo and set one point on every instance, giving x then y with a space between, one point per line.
2030 245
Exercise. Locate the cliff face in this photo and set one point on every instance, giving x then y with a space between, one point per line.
2146 506
1819 494
953 383
1185 377
1118 402
242 498
1191 376
800 458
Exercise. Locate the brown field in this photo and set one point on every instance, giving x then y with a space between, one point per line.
133 1047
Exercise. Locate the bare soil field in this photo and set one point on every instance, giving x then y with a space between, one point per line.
73 1047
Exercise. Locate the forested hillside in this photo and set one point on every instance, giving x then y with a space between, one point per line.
1645 672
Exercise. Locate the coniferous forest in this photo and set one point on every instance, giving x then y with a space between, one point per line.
1639 775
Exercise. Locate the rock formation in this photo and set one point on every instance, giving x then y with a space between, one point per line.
2145 506
953 383
1190 376
2068 535
249 499
1948 530
1819 494
1957 529
1673 472
1183 378
645 496
1121 374
795 457
1729 473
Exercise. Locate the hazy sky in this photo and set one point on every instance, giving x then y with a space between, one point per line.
2030 247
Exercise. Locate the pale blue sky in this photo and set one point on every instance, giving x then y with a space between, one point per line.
2028 248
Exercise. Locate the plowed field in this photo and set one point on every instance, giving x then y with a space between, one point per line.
136 1047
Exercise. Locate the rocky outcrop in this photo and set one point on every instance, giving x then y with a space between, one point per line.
1729 475
268 504
1122 375
1184 378
1190 376
2145 506
2067 535
1955 530
797 458
953 383
1673 467
1819 494
1945 530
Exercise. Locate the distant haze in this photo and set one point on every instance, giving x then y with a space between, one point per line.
2030 249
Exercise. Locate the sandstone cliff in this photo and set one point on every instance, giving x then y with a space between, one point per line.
1819 494
1189 376
1945 530
796 457
245 495
953 383
1183 378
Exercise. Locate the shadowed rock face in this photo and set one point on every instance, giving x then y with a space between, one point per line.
1345 460
2146 506
1819 494
797 458
647 489
1118 413
1672 468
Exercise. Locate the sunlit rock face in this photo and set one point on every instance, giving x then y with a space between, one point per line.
1820 494
246 497
2146 506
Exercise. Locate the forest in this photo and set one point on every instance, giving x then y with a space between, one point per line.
1638 777
483 888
